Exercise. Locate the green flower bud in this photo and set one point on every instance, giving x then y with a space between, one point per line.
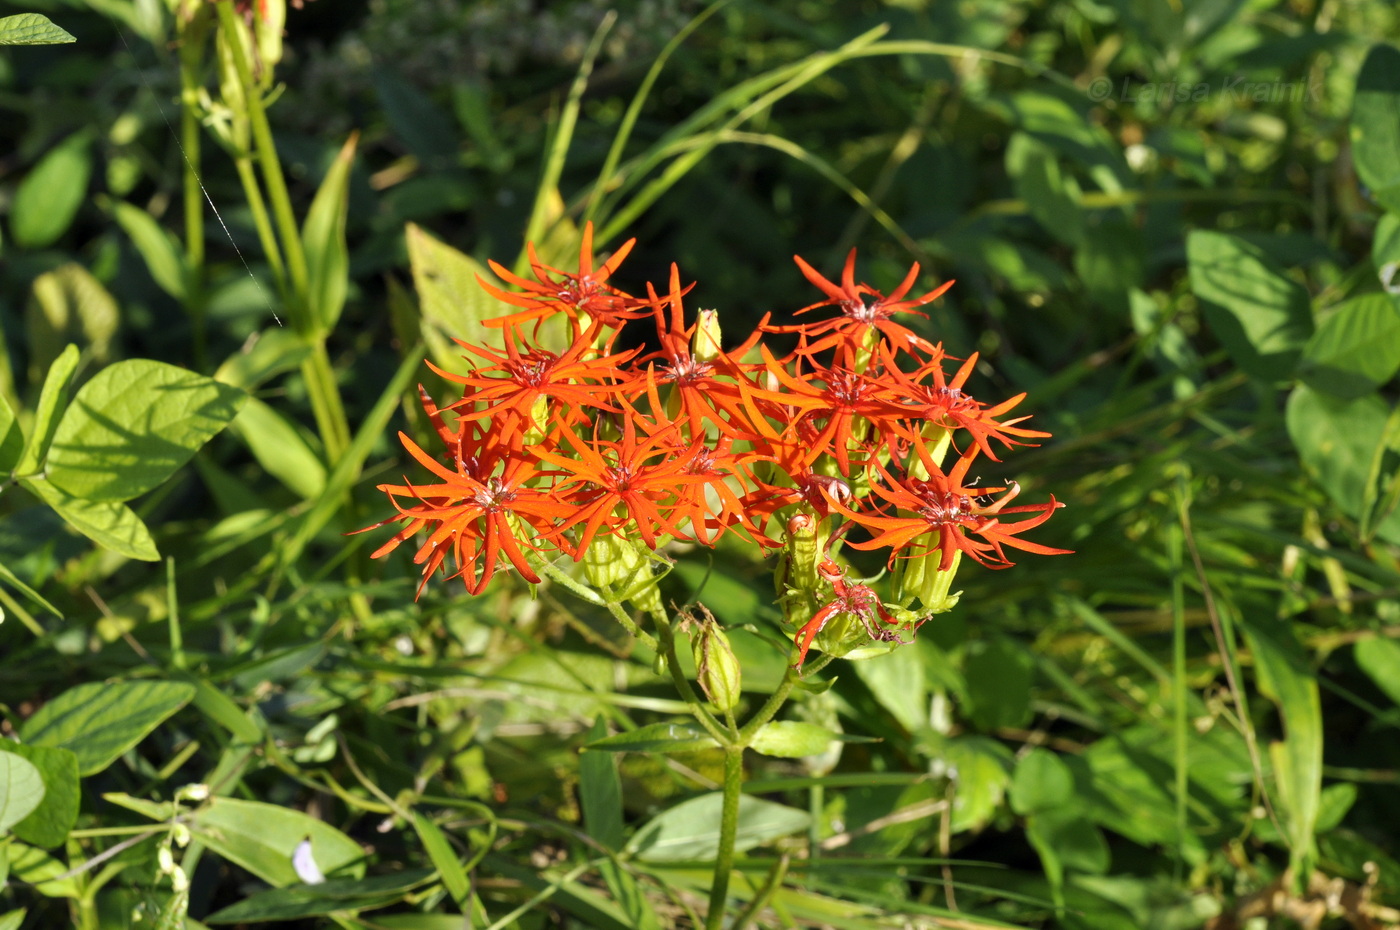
705 344
716 667
621 568
919 579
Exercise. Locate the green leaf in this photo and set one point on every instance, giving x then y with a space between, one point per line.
159 249
21 789
983 769
262 838
1375 124
600 791
900 684
452 303
11 920
1052 197
792 739
11 437
1339 442
998 674
9 578
444 859
1285 678
32 29
690 830
657 737
101 720
1354 350
48 825
1071 841
109 524
280 449
52 400
315 900
133 425
49 196
1041 782
70 305
323 237
264 356
1379 658
1260 316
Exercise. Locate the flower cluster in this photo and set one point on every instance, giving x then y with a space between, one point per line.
598 454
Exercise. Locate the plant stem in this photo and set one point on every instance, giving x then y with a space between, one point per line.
724 735
191 52
321 386
728 831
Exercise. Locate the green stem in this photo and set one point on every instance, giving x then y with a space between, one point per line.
728 830
269 163
262 223
326 405
556 574
191 53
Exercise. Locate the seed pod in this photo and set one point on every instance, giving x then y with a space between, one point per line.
620 568
716 667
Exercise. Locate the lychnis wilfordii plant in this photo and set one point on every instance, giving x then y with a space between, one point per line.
604 456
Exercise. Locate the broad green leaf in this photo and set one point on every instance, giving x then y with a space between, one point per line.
219 708
1385 252
1379 658
158 248
133 425
21 789
37 868
983 768
69 305
11 920
99 721
900 685
1375 124
1068 839
1260 316
444 859
280 449
1356 348
998 674
49 196
11 437
657 737
300 901
110 524
690 830
1285 678
262 838
268 354
48 825
323 237
1041 782
452 303
792 739
600 791
32 29
1051 196
53 398
1339 441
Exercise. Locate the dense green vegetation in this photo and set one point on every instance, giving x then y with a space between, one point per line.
1174 227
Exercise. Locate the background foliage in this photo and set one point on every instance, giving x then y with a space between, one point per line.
1168 225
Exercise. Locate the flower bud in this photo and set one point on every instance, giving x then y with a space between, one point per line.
705 343
919 579
716 667
620 567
